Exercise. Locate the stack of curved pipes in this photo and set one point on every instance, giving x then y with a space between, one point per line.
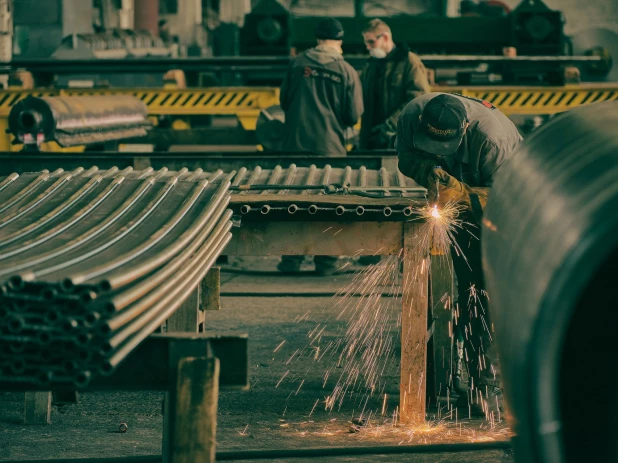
92 262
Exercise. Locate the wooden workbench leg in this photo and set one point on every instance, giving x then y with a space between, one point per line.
210 290
413 326
187 318
37 408
441 285
189 434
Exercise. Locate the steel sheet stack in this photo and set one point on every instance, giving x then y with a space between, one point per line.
92 262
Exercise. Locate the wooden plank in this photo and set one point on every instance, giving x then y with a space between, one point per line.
442 288
316 238
210 290
191 435
186 319
37 408
413 326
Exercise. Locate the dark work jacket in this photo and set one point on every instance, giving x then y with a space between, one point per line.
321 96
489 140
404 78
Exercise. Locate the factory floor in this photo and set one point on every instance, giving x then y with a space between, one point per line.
285 407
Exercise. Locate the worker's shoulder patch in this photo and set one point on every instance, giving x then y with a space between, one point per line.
321 73
485 103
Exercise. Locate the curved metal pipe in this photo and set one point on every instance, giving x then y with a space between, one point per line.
550 236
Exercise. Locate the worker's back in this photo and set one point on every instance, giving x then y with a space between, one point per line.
321 96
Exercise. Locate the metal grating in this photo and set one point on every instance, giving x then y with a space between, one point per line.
376 195
92 262
383 182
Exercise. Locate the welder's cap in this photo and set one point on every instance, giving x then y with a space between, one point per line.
329 29
442 126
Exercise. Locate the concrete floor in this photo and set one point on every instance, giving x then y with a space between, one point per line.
265 417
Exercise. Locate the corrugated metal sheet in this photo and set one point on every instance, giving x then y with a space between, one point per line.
92 262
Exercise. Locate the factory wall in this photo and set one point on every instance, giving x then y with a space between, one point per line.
40 25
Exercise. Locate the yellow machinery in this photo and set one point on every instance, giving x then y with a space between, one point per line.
246 102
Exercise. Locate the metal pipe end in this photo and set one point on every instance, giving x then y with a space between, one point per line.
107 369
70 325
245 209
52 316
70 366
83 339
43 337
48 294
387 211
30 120
44 378
407 211
82 379
265 209
104 287
360 210
67 285
87 296
16 283
16 325
92 318
339 210
18 366
292 208
312 209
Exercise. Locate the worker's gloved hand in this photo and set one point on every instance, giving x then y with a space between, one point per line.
445 188
452 190
417 168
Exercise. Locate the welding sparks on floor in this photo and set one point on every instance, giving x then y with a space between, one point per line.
357 347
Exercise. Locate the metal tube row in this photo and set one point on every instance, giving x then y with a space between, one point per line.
92 262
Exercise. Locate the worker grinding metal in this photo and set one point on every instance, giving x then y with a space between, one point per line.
453 146
391 78
321 96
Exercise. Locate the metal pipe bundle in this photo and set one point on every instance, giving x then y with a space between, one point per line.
78 120
92 262
550 248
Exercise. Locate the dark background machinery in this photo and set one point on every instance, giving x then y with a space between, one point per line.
532 29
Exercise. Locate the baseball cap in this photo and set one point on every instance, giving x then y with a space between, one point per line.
329 29
442 126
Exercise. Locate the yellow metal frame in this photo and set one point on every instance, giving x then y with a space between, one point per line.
532 101
246 102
